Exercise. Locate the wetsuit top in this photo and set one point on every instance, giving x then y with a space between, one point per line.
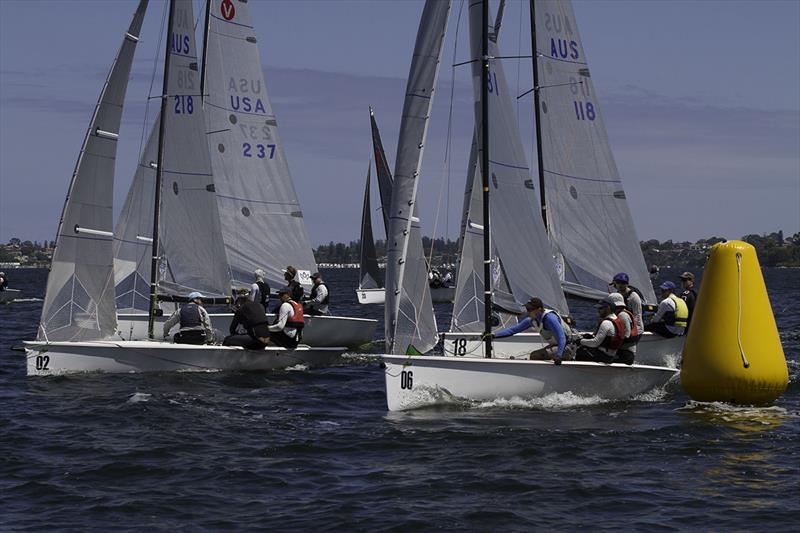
192 317
319 298
550 326
634 303
251 316
690 297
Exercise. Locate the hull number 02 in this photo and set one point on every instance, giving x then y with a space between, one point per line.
42 362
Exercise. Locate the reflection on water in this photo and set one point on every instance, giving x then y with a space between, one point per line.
742 418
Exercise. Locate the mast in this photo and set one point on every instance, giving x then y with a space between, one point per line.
159 176
206 29
537 113
487 260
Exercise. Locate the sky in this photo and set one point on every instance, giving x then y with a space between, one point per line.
701 100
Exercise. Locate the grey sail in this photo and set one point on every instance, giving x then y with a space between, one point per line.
369 275
262 221
79 302
193 251
385 180
518 233
409 320
133 234
588 216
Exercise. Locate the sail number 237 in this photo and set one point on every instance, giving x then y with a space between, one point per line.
260 151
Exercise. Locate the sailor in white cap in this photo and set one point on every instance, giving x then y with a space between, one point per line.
195 324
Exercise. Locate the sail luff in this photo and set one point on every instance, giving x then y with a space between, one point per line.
369 276
79 299
410 321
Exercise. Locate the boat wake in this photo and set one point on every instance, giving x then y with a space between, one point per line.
549 402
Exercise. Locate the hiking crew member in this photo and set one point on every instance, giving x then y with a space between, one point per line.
3 281
317 302
287 329
632 296
602 346
549 324
689 295
251 316
627 351
295 289
195 324
259 290
672 314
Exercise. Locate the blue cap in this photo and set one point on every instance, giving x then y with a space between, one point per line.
194 295
667 285
622 276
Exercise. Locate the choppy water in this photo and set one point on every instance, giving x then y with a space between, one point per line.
317 450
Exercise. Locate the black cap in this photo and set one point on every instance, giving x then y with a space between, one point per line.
315 275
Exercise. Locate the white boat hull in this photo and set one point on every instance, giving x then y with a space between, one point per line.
56 358
371 296
419 381
9 295
652 349
378 296
320 331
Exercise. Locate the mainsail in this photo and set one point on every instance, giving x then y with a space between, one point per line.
79 301
409 318
518 233
369 274
262 222
587 213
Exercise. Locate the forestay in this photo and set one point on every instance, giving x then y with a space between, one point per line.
409 318
261 217
588 216
369 274
79 300
518 233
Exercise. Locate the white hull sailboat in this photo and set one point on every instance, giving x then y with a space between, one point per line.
78 331
516 268
322 331
109 356
9 295
413 382
439 295
651 350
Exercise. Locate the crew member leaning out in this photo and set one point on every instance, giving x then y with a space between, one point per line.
671 317
287 329
549 324
602 346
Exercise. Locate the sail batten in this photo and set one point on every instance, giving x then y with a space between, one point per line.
588 217
79 299
409 320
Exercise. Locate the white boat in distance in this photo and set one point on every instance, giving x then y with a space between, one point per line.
414 381
439 295
9 295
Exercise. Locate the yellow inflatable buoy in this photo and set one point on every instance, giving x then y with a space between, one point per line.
733 352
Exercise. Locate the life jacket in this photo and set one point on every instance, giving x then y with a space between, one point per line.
297 320
263 292
549 336
190 316
615 341
314 293
680 316
628 294
295 290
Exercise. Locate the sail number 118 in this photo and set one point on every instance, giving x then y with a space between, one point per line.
584 110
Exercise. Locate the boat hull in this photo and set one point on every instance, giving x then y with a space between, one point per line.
320 331
378 296
652 349
420 381
56 358
9 295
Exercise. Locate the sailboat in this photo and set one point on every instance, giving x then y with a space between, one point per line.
413 380
78 328
9 295
257 210
370 281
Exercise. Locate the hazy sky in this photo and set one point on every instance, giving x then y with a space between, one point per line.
701 100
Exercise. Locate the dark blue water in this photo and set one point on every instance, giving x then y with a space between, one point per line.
317 450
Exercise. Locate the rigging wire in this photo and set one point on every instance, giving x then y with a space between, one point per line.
153 77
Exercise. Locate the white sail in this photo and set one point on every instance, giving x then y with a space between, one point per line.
133 234
262 222
588 216
517 230
409 318
79 301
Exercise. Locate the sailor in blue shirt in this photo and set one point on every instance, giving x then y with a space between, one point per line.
553 329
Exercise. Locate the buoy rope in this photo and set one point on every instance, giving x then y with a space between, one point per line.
739 309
